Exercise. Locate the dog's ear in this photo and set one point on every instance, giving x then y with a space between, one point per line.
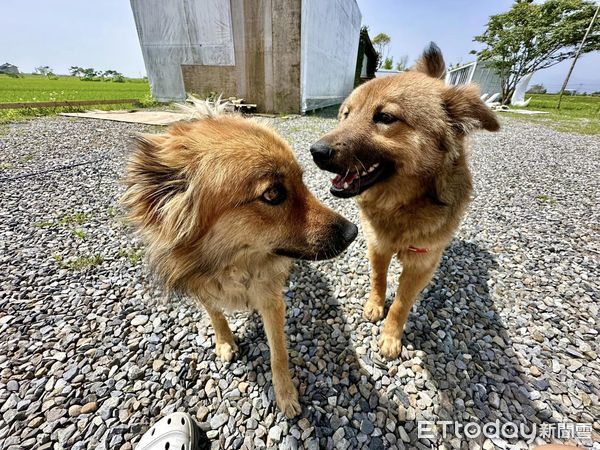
152 181
466 111
431 62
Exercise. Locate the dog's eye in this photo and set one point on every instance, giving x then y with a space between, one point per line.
274 195
385 118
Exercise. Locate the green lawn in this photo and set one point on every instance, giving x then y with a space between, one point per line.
577 114
37 88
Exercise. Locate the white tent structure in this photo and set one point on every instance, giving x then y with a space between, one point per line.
475 72
488 80
518 97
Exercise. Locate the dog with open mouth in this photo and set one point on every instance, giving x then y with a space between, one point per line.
400 148
222 207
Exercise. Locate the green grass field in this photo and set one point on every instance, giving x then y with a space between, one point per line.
577 114
37 88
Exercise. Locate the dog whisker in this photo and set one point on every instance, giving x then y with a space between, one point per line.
357 173
360 162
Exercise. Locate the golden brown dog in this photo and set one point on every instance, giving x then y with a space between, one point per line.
222 207
400 147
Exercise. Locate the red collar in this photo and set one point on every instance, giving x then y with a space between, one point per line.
417 249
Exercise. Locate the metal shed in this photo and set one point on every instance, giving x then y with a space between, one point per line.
476 72
283 55
367 58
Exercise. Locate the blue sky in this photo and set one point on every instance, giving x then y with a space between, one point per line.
452 25
63 33
101 34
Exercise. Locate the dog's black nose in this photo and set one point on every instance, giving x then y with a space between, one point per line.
321 151
349 233
343 233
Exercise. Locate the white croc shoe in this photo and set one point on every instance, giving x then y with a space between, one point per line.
177 431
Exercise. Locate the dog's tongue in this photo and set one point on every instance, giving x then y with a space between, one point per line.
343 182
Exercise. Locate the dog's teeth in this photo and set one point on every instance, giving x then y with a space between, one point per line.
371 169
376 165
363 173
345 185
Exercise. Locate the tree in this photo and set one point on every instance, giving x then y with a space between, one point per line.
110 74
533 36
43 70
402 64
388 64
381 42
537 89
75 71
113 75
88 74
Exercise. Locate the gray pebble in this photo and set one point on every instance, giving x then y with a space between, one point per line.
492 333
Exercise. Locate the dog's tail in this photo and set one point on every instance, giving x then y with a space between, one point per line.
196 108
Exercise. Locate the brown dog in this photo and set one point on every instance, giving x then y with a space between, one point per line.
400 147
222 207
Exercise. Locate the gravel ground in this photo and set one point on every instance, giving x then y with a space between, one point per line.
91 352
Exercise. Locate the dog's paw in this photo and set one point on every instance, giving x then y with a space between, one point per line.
390 346
372 311
287 398
226 351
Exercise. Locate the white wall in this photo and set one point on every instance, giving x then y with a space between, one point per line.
329 34
176 32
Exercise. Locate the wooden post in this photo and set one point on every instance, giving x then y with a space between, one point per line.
562 90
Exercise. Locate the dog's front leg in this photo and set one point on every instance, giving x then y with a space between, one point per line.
417 270
380 262
225 347
273 315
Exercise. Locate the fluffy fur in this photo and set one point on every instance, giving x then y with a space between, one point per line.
221 205
401 149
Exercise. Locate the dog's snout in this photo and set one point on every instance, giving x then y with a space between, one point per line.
344 232
321 151
349 232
